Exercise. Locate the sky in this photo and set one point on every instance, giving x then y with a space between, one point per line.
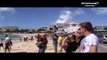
36 17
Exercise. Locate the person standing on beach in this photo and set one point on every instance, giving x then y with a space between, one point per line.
20 39
60 38
41 45
89 43
55 42
31 38
38 38
7 44
45 40
1 44
25 38
10 43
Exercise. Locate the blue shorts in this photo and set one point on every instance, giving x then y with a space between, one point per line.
55 43
41 50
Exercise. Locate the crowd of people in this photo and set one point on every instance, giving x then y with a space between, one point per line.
82 41
67 42
25 38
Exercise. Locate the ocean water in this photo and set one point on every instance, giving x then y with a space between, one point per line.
11 36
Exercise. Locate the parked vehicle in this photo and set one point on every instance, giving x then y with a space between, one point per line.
104 39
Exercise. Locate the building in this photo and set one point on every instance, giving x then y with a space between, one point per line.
2 30
67 27
10 28
100 30
71 27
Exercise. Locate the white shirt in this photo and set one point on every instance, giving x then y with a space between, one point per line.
7 38
87 42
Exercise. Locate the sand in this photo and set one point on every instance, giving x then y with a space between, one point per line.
29 46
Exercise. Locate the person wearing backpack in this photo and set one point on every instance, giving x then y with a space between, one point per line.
41 45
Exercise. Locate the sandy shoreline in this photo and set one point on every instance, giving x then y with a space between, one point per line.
29 46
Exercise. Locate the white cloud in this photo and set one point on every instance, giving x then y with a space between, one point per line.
67 15
64 17
6 11
79 12
100 11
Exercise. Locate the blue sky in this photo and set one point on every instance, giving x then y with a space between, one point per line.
33 17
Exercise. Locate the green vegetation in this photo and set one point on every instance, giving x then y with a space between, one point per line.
21 31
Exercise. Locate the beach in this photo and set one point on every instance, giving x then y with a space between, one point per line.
29 46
